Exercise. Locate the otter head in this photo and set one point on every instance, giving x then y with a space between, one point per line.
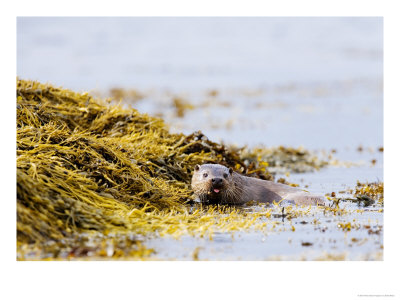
212 183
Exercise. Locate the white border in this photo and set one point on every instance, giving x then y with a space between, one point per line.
199 280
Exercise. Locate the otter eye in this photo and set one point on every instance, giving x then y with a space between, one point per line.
205 175
225 175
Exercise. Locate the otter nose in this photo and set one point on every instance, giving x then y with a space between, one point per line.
216 180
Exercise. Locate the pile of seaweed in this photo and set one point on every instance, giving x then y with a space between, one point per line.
284 159
85 165
369 193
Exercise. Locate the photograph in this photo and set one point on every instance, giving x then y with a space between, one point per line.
199 138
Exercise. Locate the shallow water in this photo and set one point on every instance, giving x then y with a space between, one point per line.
281 243
312 82
323 240
321 230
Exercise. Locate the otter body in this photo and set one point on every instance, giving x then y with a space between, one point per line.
214 183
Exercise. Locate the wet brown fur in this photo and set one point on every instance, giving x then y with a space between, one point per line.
239 189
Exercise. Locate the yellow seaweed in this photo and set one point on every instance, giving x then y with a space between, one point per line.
87 167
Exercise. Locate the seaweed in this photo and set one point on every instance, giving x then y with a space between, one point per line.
370 192
283 159
95 179
366 194
87 166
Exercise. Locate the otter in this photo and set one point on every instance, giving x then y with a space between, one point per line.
217 184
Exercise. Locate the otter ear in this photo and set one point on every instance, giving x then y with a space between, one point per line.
197 167
230 171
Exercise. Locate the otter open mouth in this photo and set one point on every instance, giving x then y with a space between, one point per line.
215 192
